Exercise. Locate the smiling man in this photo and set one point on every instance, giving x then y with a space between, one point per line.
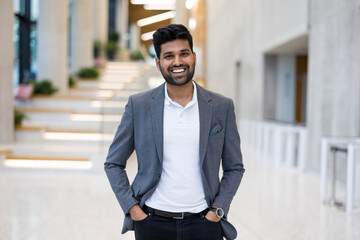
181 134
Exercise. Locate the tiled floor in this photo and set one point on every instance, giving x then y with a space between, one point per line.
79 204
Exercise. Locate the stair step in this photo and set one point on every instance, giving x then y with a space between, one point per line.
101 85
42 110
74 105
61 135
5 151
60 96
29 128
27 157
47 162
58 149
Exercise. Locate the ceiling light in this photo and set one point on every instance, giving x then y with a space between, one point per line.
189 4
156 18
147 36
159 6
141 2
192 23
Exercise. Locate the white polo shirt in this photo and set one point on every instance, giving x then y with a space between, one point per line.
180 188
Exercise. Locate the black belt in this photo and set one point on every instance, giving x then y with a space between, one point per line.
176 216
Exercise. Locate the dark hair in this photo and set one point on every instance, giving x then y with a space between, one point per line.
170 33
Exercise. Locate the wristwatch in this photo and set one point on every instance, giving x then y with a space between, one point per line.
218 211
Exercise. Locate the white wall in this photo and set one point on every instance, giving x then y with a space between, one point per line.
247 30
334 73
243 31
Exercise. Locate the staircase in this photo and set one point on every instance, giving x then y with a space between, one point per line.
79 125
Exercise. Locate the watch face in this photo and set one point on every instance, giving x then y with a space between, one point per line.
220 212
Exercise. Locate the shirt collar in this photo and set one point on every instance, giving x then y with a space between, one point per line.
168 100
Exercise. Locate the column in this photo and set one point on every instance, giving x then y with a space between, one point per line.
122 20
100 20
134 37
6 68
52 45
81 35
182 13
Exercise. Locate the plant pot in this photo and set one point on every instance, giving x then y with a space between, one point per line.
111 55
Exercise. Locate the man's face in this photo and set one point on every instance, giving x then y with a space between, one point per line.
177 62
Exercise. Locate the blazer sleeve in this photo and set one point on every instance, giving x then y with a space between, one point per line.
119 152
232 164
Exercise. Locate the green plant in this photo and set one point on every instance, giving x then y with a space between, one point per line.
18 118
136 55
88 73
72 82
111 47
97 46
44 87
114 37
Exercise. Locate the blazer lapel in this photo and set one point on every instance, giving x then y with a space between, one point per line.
157 115
205 115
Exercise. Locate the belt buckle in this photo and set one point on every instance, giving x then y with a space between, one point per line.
179 218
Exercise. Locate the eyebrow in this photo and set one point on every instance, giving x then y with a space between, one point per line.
182 50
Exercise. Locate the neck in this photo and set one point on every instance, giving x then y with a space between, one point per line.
181 94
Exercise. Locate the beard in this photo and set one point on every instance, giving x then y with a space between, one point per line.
173 81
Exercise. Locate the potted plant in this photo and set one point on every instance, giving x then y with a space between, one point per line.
111 49
71 81
18 118
97 48
88 73
44 87
114 37
136 56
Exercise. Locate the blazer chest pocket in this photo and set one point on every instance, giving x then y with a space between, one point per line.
216 129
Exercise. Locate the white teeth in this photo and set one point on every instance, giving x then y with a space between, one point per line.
178 70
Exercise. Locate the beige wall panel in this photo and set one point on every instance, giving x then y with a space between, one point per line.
52 48
100 20
6 67
81 35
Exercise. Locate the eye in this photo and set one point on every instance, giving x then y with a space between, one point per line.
184 54
168 56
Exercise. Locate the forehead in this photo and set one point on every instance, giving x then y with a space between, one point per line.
175 45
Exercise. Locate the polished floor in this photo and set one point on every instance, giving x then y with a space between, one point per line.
79 204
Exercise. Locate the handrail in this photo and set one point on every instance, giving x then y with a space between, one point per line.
276 140
351 144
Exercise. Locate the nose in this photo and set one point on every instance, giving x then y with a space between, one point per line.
177 60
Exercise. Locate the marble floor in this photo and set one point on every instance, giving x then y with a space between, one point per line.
79 204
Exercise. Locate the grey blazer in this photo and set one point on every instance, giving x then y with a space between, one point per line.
141 129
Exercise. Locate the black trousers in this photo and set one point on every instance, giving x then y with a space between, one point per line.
195 227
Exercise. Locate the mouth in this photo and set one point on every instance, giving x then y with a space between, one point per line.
178 70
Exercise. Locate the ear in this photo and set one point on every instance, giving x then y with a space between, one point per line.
157 63
194 57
